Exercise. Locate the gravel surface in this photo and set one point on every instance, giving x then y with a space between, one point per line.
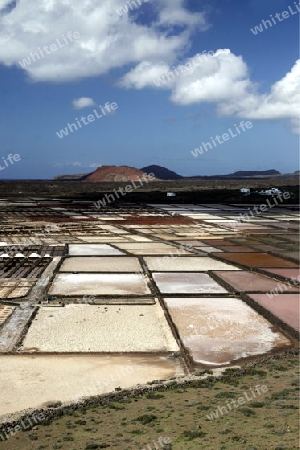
113 328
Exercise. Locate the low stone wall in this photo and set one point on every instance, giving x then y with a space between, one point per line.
56 409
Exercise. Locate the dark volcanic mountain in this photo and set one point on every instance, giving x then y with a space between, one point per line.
241 174
161 172
72 177
254 173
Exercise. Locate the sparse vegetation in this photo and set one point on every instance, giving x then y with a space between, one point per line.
180 413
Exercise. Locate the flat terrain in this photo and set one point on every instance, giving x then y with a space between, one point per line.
182 417
93 301
88 328
192 190
37 380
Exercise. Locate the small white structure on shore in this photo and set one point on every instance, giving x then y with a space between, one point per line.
272 191
245 191
171 194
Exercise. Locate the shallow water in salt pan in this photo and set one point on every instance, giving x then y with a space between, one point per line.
218 331
283 306
244 281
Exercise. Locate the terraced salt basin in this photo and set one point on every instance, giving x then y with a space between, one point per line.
187 283
287 273
89 328
5 312
38 379
283 306
14 287
244 281
152 248
93 249
186 263
99 284
101 264
257 260
219 331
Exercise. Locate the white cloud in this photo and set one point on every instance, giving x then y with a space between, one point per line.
77 164
83 102
106 40
144 74
223 78
216 78
4 3
283 101
173 14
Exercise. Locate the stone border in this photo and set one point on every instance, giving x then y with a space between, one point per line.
56 409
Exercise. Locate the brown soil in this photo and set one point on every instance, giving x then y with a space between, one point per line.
115 173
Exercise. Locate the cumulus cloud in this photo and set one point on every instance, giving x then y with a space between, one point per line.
106 40
282 102
144 74
83 102
222 78
217 77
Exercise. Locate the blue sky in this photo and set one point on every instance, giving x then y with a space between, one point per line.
118 57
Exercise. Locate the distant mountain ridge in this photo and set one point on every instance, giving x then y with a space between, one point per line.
126 173
74 177
252 173
162 172
243 174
